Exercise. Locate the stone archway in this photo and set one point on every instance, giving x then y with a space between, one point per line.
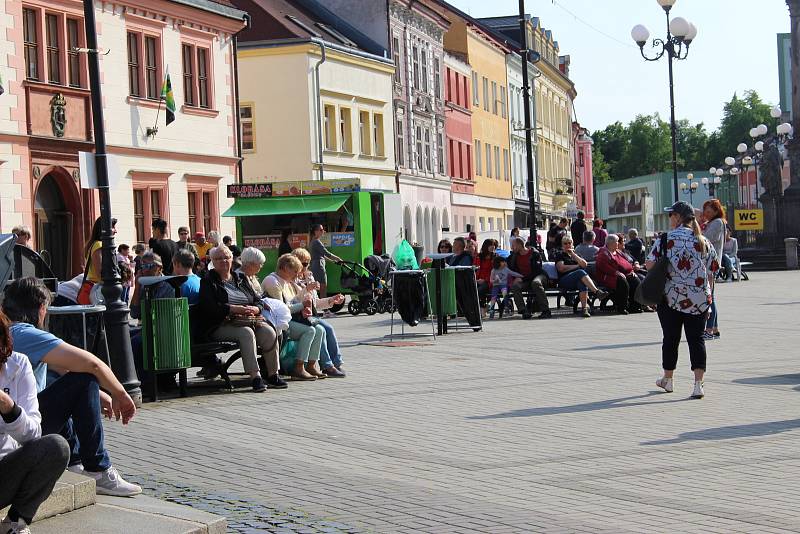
419 235
436 228
58 222
407 224
427 229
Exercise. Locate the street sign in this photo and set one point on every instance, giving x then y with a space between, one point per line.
748 219
88 170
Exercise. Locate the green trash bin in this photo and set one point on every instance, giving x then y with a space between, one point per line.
448 291
165 331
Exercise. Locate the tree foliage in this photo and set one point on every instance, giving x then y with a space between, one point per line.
644 145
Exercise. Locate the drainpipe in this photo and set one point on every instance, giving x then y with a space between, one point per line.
322 48
238 119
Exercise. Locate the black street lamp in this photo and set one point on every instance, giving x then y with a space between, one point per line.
680 34
116 314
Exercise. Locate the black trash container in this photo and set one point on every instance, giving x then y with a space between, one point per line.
467 296
410 295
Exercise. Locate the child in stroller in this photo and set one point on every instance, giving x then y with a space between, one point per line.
370 293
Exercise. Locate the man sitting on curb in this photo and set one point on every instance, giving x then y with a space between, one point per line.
528 263
69 381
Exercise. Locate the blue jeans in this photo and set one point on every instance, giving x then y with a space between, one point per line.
573 280
70 406
329 350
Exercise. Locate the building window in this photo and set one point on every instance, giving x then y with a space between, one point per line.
138 214
401 145
418 135
151 67
437 79
475 97
31 39
73 60
203 209
329 126
466 90
203 68
363 132
424 60
505 164
207 204
469 162
248 120
192 212
451 164
428 155
497 162
415 65
494 98
485 94
133 64
149 202
188 75
503 99
478 156
53 49
377 134
345 130
488 160
440 152
396 59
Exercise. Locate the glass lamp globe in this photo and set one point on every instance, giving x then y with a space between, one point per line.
776 112
729 161
679 27
717 179
719 172
762 129
741 148
712 170
734 170
753 132
640 34
704 181
759 146
683 186
692 33
694 186
666 4
690 176
747 160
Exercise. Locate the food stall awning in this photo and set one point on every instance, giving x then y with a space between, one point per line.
244 207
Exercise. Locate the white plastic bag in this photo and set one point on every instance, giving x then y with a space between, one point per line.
277 313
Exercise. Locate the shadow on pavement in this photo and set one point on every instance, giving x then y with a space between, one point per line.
620 346
731 432
795 302
579 408
775 380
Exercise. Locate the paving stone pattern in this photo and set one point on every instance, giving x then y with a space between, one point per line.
529 426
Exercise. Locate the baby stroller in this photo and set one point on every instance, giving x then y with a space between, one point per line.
381 266
368 291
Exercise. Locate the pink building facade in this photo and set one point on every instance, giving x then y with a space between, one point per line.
458 133
584 185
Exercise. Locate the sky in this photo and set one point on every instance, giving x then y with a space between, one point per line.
735 50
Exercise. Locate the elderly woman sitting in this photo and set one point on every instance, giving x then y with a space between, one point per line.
614 271
330 357
281 285
572 274
231 311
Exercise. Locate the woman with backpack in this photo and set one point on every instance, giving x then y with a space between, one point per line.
691 264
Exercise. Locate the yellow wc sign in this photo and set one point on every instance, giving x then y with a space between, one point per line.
748 219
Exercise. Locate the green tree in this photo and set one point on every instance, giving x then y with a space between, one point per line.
648 149
739 116
600 167
693 142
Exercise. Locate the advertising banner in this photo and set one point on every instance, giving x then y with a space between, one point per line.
298 240
343 239
249 190
262 241
287 189
626 202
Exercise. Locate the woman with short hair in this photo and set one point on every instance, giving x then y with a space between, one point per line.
614 271
572 274
252 260
687 293
231 311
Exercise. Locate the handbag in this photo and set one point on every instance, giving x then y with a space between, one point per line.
85 292
651 290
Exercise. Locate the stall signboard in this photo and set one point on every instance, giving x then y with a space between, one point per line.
249 190
298 240
328 187
748 219
263 241
343 239
287 189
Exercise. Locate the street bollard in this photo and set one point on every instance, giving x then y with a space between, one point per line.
791 252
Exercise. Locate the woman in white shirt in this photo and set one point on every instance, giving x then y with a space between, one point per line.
29 462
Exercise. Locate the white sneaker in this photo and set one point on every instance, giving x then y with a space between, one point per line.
76 468
110 482
698 392
14 527
665 384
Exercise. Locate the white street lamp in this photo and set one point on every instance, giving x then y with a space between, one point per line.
691 35
704 181
759 146
712 171
666 4
717 180
719 172
679 27
690 176
729 161
640 34
776 112
762 129
741 148
753 132
747 161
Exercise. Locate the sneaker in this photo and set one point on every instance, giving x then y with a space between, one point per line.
110 482
601 294
698 392
258 385
665 384
276 382
708 336
14 527
586 312
546 314
74 468
333 372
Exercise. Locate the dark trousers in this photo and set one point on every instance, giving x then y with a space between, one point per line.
672 322
536 287
29 474
624 293
70 406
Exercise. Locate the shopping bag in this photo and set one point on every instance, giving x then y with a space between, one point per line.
404 257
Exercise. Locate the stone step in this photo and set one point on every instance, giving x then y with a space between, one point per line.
120 515
71 492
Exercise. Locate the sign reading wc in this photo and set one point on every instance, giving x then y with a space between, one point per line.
748 219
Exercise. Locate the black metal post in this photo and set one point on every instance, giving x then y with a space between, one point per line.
116 315
673 127
526 97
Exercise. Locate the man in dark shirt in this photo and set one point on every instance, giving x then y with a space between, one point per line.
554 236
635 246
577 228
228 242
460 257
162 245
528 263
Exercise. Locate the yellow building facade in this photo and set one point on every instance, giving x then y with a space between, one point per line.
292 131
493 199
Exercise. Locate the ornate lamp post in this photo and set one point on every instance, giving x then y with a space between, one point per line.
690 186
680 34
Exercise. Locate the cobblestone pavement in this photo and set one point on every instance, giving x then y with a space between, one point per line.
551 426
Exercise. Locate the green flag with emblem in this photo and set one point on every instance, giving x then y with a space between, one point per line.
169 99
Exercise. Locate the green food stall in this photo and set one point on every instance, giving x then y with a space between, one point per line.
358 222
